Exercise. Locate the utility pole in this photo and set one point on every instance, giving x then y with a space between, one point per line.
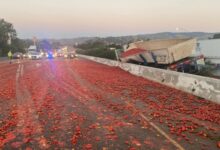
34 40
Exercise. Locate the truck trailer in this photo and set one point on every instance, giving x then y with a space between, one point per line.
173 54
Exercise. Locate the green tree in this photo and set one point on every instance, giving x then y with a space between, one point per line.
18 45
216 36
97 49
7 33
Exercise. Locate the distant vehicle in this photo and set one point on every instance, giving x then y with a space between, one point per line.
25 55
60 54
17 55
51 55
42 54
32 48
70 55
34 55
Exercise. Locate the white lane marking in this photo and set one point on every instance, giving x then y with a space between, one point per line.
18 72
20 122
22 69
158 129
25 106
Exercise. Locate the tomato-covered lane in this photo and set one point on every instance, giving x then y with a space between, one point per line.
80 104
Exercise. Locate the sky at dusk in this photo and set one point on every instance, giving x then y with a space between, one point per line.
78 18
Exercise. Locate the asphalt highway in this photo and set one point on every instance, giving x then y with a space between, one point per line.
79 104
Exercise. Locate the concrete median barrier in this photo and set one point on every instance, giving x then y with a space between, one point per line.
204 87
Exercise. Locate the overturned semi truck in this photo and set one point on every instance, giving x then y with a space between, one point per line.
173 54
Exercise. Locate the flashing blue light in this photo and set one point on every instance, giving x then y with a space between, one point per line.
50 55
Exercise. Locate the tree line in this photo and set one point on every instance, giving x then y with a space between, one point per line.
9 39
98 49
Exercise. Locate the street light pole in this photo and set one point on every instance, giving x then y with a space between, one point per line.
9 39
